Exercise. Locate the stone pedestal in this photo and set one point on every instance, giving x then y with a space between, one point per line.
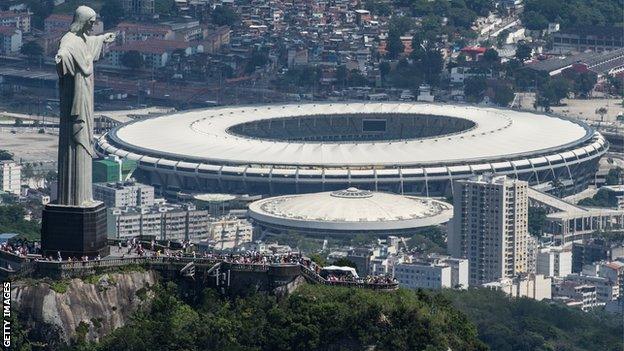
74 231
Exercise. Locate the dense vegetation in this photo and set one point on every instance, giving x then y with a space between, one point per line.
572 13
12 221
313 318
332 318
525 324
603 198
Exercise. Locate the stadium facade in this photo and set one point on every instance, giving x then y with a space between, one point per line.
410 148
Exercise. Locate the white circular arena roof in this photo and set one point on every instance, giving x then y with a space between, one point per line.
205 136
350 210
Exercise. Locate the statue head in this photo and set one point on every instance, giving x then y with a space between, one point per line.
84 18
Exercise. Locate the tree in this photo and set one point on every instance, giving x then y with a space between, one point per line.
32 49
401 25
164 7
614 176
555 90
259 58
384 69
474 88
224 16
523 52
501 38
503 95
395 46
584 83
112 13
344 262
5 155
41 9
536 220
318 259
132 59
342 74
534 21
491 58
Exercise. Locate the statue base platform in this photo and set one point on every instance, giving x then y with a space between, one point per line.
74 231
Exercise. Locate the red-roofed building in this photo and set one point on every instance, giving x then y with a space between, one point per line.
473 52
17 19
130 32
61 23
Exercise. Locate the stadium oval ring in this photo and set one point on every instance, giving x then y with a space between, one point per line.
413 148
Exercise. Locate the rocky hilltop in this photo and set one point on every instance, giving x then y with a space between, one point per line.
83 308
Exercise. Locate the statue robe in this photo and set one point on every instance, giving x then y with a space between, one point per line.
76 55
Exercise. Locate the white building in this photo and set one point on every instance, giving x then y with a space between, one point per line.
575 294
229 232
433 273
10 177
606 290
162 222
10 40
489 227
126 194
533 286
554 261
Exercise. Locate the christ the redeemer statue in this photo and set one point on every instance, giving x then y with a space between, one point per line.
75 57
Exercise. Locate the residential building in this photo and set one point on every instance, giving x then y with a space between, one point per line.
60 23
229 232
423 275
532 286
16 19
361 256
10 177
433 272
554 261
606 290
130 32
583 38
578 295
161 222
489 227
10 40
124 194
154 52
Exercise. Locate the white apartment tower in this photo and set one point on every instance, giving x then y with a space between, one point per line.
489 227
10 177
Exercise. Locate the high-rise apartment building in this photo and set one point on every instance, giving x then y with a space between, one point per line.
489 227
10 177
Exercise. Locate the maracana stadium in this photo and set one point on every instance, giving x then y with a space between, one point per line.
410 148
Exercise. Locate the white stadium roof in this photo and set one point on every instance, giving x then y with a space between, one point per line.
203 136
350 210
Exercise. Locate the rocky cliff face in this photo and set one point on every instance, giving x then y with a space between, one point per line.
89 308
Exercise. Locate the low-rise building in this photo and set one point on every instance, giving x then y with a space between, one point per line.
533 286
578 295
124 194
60 23
606 290
229 232
554 261
433 272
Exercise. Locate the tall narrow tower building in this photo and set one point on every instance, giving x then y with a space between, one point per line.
489 227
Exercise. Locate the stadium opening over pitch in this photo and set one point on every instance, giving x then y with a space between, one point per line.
414 148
